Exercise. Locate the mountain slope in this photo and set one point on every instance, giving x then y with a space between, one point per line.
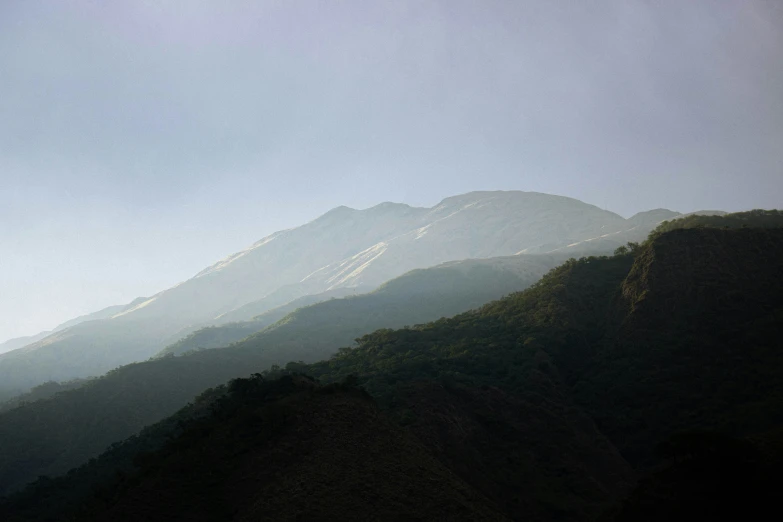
527 388
501 454
699 334
20 342
226 333
535 455
343 248
290 450
686 336
295 450
292 298
639 227
48 437
418 296
757 218
475 225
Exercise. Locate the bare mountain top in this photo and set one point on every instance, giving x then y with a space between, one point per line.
343 248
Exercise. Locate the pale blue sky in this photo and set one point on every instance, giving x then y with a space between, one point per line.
140 141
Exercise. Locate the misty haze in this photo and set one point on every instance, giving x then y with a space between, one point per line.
436 260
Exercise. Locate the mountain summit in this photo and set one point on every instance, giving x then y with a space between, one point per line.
343 248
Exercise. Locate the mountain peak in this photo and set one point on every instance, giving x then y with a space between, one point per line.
387 206
345 247
342 209
653 216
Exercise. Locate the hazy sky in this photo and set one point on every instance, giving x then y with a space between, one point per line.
142 140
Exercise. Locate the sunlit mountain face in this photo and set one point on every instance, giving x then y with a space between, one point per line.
343 250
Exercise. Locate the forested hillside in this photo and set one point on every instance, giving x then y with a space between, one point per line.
296 440
48 437
758 218
605 360
343 248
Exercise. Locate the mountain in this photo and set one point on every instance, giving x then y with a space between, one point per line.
264 311
700 334
327 452
420 295
639 227
343 248
297 441
42 391
757 218
709 476
537 402
47 437
682 337
228 332
652 217
475 225
20 342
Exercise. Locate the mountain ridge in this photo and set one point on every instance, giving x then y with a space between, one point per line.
340 249
104 313
594 363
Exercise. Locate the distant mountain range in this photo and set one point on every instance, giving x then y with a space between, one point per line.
136 395
644 385
106 313
343 249
420 295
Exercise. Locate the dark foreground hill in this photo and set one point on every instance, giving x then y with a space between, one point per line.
289 450
48 437
709 476
684 334
537 401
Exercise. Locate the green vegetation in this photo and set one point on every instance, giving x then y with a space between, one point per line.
312 333
753 218
231 332
662 361
48 437
344 247
42 391
271 450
